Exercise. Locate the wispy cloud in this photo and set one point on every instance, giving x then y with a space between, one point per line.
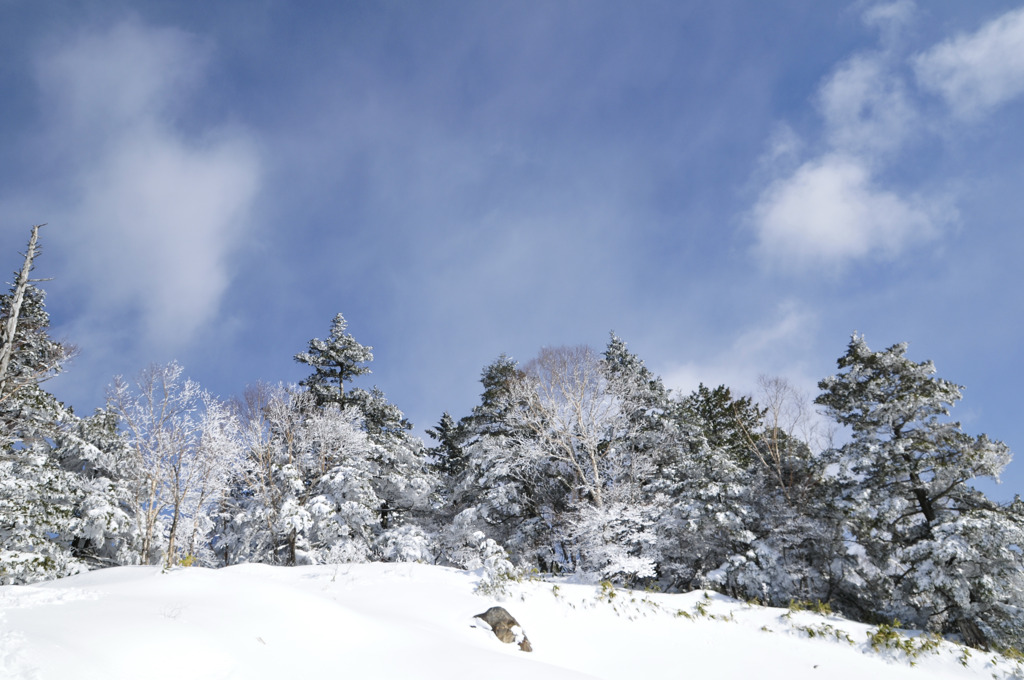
865 107
780 347
104 80
771 348
976 72
832 208
890 18
156 212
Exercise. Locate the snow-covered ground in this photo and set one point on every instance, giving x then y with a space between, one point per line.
416 621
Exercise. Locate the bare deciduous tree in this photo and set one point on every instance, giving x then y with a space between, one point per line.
182 441
791 429
562 401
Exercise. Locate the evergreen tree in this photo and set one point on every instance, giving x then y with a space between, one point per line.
403 481
732 425
623 541
61 497
498 378
94 450
449 456
37 496
936 552
703 493
448 460
382 420
498 493
650 415
335 362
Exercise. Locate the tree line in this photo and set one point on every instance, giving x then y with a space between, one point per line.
576 462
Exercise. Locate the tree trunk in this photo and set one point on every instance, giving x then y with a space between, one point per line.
971 634
11 326
171 536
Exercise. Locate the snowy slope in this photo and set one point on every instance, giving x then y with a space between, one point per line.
415 621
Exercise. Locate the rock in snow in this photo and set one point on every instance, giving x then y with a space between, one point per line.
505 627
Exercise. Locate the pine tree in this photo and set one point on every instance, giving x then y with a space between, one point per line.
449 456
644 401
498 379
335 362
448 460
936 552
96 452
403 480
732 425
36 494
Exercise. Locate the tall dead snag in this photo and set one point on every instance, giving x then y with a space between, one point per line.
11 324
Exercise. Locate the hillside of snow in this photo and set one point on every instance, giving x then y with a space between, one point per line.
416 621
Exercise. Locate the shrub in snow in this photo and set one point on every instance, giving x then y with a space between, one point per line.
497 572
406 544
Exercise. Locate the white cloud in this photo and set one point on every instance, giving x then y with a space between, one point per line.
977 72
866 107
830 211
160 218
158 212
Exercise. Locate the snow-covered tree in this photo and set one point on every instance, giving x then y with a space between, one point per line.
37 502
730 424
498 492
449 456
649 423
61 496
930 549
316 487
28 356
566 409
703 493
335 362
305 489
404 481
183 444
556 458
37 495
99 457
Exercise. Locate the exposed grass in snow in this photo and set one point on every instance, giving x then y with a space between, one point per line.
415 621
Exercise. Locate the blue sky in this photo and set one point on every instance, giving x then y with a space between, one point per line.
732 187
